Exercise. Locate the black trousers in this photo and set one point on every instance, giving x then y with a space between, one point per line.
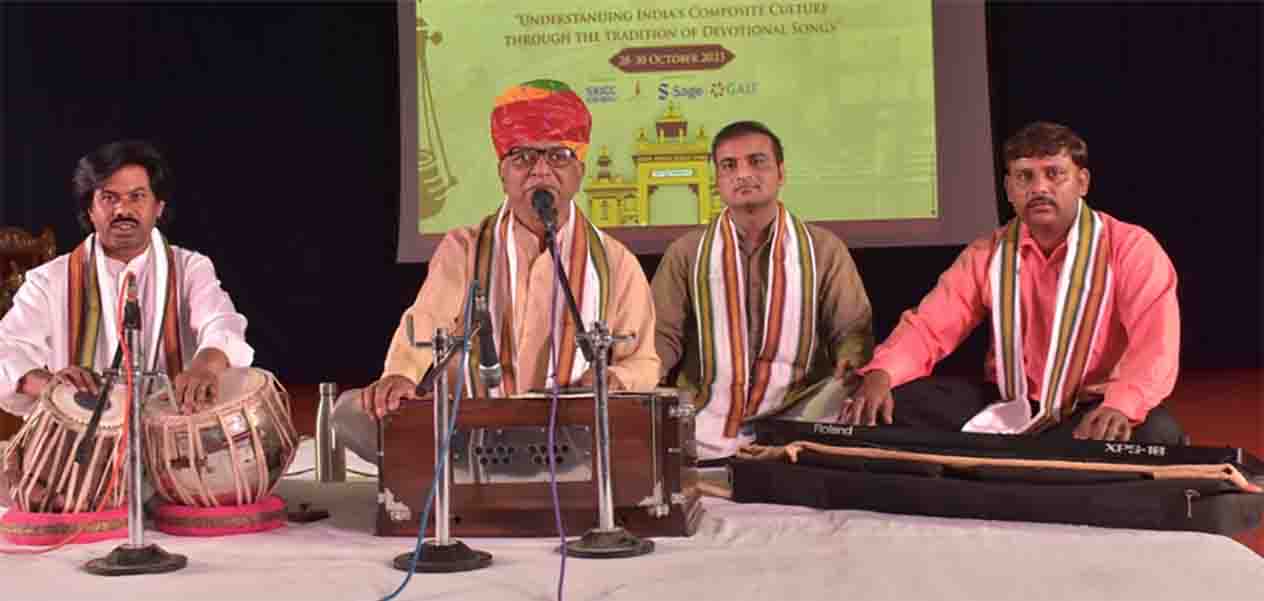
947 403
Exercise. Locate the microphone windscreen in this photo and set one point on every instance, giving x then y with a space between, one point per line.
542 200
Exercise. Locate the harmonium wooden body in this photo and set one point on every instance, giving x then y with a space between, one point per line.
500 474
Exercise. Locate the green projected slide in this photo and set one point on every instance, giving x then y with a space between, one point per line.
847 85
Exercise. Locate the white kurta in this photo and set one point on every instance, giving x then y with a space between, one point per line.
35 332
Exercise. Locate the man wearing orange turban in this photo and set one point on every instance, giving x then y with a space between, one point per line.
540 131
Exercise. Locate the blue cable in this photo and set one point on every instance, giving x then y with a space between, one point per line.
443 449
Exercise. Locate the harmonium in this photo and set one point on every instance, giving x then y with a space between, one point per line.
1001 477
500 483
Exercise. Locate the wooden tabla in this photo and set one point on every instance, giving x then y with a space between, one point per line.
231 454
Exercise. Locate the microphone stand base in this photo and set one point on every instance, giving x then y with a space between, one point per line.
436 559
126 560
608 544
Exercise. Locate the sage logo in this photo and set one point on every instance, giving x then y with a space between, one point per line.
668 91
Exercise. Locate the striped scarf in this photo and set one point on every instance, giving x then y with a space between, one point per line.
732 383
1083 286
89 315
583 252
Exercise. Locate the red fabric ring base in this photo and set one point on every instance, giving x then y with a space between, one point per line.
183 520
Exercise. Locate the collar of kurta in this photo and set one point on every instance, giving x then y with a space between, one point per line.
1083 288
496 264
90 315
753 386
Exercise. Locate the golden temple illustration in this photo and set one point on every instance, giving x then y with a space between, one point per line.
672 158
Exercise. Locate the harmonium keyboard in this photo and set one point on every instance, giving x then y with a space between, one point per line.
1001 477
500 476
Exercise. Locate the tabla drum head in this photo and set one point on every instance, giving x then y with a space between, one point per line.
74 408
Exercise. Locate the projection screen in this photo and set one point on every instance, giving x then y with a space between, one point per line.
882 108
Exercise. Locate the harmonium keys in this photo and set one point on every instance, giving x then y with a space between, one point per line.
500 474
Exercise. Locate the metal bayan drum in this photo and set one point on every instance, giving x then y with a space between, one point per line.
39 463
57 500
231 454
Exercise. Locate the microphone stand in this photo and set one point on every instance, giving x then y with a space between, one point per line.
606 541
581 335
441 554
134 556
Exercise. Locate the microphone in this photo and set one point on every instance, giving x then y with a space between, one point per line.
488 360
542 200
131 310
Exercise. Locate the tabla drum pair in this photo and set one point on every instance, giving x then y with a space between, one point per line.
214 470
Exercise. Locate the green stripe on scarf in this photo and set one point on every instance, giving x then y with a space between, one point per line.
702 296
90 315
807 265
1071 301
1009 300
601 264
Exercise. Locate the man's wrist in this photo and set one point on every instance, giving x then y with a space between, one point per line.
879 374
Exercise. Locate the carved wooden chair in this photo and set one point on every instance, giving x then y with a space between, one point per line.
19 252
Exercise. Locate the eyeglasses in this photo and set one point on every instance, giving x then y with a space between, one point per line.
522 157
1025 178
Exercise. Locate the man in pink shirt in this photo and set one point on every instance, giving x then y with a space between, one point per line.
1082 307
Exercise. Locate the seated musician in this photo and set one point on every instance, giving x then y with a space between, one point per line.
540 131
1084 318
780 305
63 324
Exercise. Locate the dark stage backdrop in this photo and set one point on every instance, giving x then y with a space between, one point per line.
281 125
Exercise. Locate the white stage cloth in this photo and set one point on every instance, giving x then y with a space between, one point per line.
763 552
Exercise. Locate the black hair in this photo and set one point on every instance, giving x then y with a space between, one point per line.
97 166
742 128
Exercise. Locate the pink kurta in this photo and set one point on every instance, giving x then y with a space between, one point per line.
1134 360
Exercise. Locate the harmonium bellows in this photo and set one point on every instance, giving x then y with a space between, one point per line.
500 473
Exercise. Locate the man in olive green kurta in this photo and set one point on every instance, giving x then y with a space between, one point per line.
758 313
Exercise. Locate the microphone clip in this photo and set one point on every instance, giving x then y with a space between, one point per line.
131 309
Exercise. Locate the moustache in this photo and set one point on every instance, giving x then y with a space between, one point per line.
130 220
1041 200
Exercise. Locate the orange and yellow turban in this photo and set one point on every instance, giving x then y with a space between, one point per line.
539 110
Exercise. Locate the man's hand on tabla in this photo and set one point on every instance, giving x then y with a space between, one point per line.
196 389
80 378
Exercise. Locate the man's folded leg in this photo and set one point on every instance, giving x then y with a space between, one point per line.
356 429
943 403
